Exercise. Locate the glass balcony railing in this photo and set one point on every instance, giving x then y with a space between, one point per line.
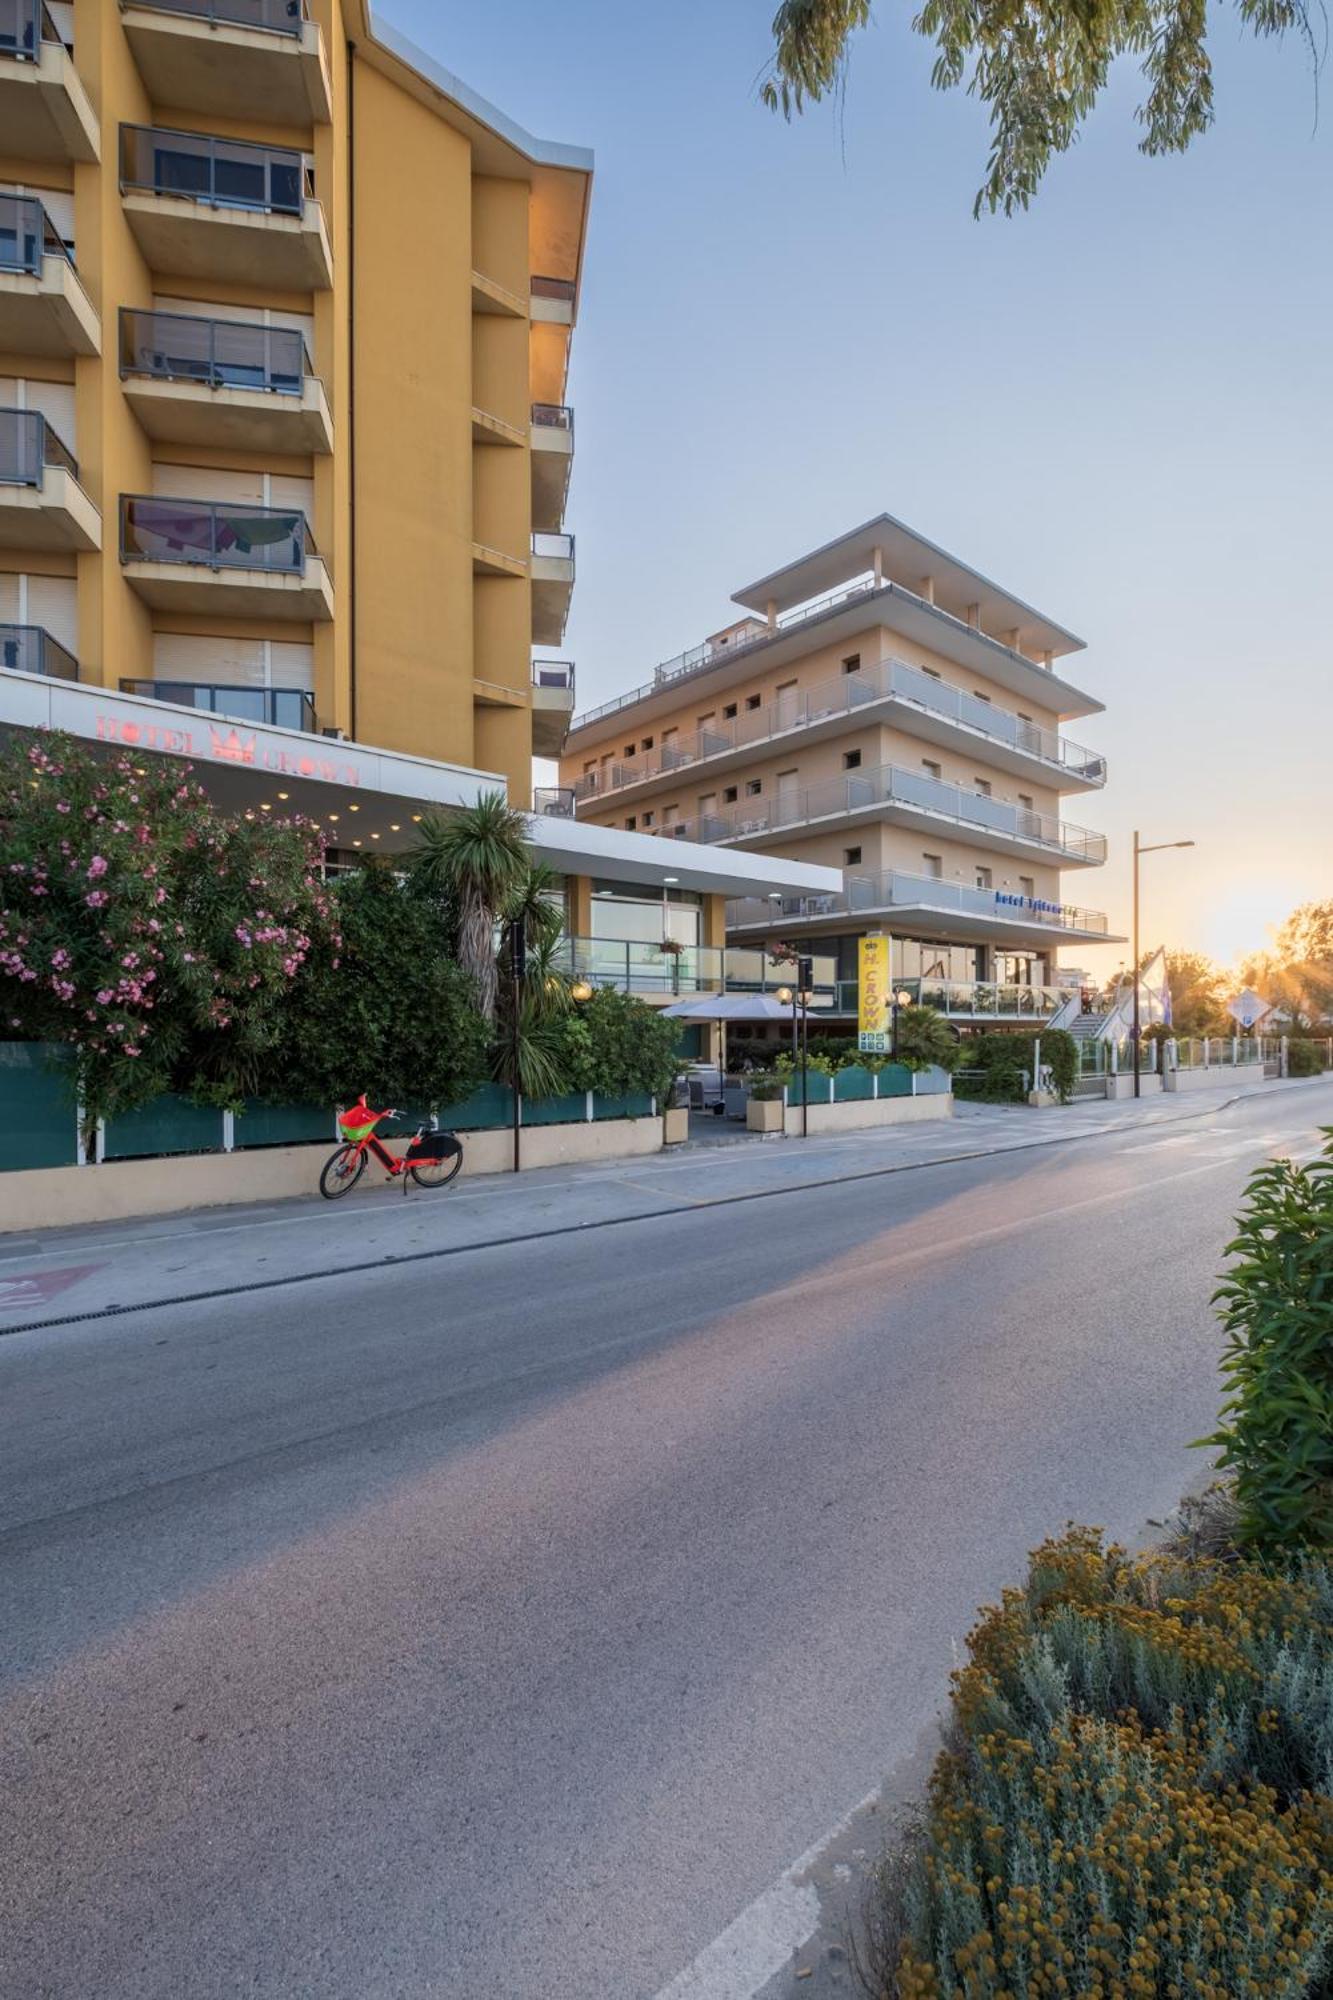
217 353
30 649
553 548
27 235
553 674
553 417
220 173
216 534
908 791
273 708
276 17
24 26
553 801
27 446
866 895
889 682
641 968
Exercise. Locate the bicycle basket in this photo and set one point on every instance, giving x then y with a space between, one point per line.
354 1128
433 1146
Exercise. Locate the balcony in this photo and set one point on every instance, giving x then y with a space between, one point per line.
269 707
213 55
936 909
30 649
222 382
905 798
551 318
42 505
224 209
553 801
552 461
890 691
641 968
223 559
43 306
45 112
552 705
552 587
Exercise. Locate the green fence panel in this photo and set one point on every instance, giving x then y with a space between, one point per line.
820 1087
38 1123
282 1124
638 1104
489 1106
852 1083
170 1124
895 1080
572 1109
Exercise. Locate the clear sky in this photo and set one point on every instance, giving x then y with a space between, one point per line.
1119 404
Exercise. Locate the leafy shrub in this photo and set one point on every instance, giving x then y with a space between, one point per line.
925 1039
1002 1061
1305 1058
386 1010
1277 1306
618 1046
1135 1797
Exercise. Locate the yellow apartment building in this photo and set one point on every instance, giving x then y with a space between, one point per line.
885 710
285 444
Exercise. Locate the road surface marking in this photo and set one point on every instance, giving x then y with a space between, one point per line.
756 1944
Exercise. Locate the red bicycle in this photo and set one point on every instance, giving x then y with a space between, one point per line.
432 1159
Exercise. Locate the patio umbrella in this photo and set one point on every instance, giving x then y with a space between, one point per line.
724 1007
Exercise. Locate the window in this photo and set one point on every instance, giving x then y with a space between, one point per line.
631 823
979 696
1022 717
729 795
851 760
729 712
983 878
591 765
647 819
629 750
753 787
707 721
1025 800
753 700
933 866
934 673
931 768
852 664
851 857
982 787
1028 886
647 743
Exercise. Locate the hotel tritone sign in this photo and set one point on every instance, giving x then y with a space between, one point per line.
874 996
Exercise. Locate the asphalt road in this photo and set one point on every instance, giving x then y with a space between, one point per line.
502 1628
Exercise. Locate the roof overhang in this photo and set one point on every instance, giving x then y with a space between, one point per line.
577 847
910 557
245 767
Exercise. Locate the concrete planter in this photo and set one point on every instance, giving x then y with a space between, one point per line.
764 1114
676 1126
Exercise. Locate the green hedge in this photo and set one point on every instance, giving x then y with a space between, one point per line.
1001 1061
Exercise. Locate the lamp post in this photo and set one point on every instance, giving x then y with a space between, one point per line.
900 999
1157 847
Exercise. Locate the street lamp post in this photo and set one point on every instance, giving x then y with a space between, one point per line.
1157 847
900 999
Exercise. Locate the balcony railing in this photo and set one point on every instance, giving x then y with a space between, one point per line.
863 895
553 674
910 791
30 649
553 801
553 548
24 26
27 234
273 708
892 681
216 534
641 968
277 17
218 353
553 417
219 173
27 446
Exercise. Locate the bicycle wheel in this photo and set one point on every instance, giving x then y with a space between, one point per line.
438 1173
342 1172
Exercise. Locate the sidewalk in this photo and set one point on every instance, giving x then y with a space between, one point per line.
63 1274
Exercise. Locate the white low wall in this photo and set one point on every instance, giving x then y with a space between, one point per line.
48 1197
1123 1085
864 1111
1248 1076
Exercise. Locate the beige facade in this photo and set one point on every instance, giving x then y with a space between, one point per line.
906 730
285 318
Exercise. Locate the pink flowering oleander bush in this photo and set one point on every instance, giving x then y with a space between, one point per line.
151 934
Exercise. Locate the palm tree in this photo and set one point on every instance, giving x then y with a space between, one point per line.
477 857
536 903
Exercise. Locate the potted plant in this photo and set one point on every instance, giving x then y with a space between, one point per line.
765 1108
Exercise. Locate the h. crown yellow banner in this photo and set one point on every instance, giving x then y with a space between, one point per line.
874 996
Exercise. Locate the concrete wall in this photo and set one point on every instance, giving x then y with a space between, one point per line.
125 1188
870 1111
1218 1077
